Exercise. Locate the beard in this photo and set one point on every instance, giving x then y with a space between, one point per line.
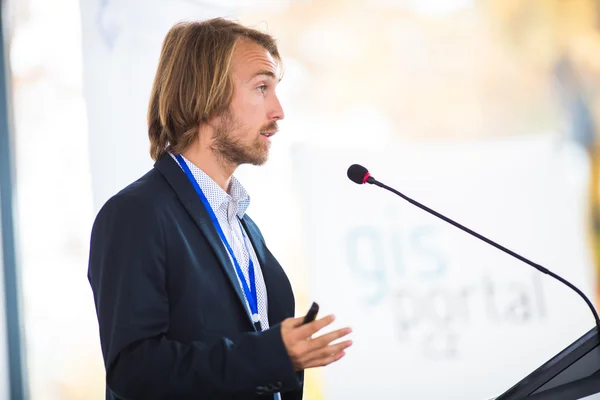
229 142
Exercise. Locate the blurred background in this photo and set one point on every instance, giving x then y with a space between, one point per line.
486 110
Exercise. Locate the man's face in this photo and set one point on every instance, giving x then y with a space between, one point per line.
242 133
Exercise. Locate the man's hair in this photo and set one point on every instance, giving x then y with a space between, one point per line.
192 82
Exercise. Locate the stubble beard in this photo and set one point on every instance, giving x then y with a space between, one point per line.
232 150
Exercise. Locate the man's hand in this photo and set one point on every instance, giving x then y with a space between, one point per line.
307 352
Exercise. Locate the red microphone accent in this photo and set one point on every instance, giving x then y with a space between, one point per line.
367 175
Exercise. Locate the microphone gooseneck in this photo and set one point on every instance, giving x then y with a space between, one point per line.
360 175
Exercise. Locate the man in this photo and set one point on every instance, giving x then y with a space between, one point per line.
190 302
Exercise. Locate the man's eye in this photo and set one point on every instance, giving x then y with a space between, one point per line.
262 88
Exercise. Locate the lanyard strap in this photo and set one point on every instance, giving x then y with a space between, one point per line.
249 292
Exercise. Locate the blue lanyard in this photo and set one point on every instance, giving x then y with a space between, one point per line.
249 292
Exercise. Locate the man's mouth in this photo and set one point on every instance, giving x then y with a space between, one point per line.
268 133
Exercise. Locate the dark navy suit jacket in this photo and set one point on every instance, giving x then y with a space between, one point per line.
173 322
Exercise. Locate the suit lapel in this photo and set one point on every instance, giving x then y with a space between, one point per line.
272 281
179 182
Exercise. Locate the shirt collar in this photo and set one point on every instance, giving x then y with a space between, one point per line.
234 202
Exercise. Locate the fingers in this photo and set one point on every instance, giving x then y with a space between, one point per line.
293 322
306 352
311 328
321 362
326 353
324 340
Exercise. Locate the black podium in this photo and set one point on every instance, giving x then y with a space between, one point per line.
572 374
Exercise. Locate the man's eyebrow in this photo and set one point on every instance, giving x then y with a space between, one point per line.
266 72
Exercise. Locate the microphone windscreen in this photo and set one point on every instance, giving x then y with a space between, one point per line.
357 173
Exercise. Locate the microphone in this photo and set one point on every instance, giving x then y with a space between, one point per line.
360 175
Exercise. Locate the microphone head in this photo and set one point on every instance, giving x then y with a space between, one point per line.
358 174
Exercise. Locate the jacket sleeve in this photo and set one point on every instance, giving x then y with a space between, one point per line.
127 273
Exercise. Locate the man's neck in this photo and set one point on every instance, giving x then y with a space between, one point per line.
212 165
